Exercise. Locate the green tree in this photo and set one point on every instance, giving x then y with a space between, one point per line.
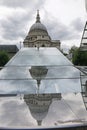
4 58
73 49
79 57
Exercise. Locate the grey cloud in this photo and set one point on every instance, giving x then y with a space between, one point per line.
22 3
60 31
13 26
78 24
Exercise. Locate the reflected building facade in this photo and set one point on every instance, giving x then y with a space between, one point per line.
38 36
39 105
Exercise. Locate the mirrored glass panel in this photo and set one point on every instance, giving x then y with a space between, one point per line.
43 57
42 89
42 111
45 79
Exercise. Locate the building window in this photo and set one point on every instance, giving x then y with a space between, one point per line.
43 45
85 43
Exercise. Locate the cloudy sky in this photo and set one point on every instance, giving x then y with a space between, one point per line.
64 20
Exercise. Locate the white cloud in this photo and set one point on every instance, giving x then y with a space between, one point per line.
67 10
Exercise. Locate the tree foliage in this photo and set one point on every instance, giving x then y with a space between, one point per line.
4 58
79 57
73 49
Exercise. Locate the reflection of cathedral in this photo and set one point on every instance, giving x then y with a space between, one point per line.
39 104
39 37
38 73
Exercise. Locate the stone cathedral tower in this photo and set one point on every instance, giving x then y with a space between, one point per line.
39 37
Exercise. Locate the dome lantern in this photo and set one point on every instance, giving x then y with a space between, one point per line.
38 17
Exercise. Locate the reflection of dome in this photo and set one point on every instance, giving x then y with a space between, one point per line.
39 104
38 115
38 73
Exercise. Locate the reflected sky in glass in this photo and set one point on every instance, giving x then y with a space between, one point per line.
43 71
44 110
42 89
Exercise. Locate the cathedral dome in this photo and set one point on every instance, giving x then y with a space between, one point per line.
38 26
38 36
38 30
